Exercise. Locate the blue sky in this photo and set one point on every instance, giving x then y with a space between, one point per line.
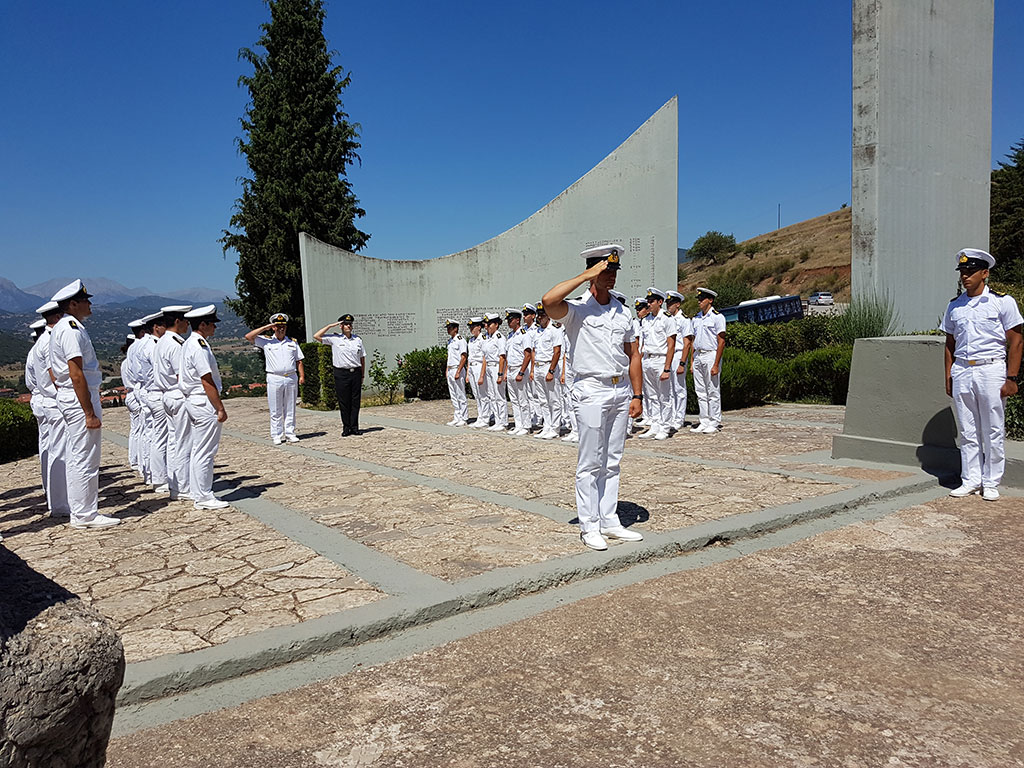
118 119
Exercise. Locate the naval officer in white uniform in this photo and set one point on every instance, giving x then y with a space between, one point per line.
77 376
52 432
657 352
983 353
519 353
606 390
166 367
681 360
455 373
283 362
708 346
200 385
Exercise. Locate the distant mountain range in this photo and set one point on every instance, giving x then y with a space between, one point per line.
105 292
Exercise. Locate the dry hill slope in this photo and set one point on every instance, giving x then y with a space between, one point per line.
812 255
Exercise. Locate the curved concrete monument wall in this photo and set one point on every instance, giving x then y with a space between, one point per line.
922 138
630 197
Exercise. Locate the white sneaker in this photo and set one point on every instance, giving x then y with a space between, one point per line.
572 437
547 434
594 540
291 438
481 423
277 441
520 432
964 490
644 423
652 432
451 423
698 428
497 428
460 423
99 521
165 488
211 504
623 533
662 435
990 494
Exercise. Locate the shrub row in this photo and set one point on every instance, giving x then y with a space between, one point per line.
19 433
782 341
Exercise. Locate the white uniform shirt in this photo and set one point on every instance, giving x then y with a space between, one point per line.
544 347
515 350
167 361
495 347
657 329
979 324
281 355
531 332
684 327
457 347
69 339
596 332
141 353
345 352
638 332
477 349
38 366
197 360
706 329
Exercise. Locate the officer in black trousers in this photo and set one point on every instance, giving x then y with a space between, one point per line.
349 358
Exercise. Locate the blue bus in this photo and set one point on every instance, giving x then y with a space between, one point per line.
771 309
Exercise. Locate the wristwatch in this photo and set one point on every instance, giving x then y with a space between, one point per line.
1012 378
667 370
638 397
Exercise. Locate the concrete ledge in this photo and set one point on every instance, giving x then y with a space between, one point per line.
169 675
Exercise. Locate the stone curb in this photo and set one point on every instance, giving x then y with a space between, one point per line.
168 675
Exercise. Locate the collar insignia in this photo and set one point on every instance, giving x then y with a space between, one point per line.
73 324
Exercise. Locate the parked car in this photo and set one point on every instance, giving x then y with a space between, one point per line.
820 298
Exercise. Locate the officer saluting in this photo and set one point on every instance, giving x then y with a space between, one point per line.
600 334
282 355
983 353
349 358
76 373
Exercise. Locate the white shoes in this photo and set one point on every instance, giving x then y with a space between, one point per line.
481 423
966 490
291 438
652 432
460 423
520 432
211 504
451 423
165 488
594 540
547 434
662 435
572 437
497 428
990 494
622 533
277 441
98 521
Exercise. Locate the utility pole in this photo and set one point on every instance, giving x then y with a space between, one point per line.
778 225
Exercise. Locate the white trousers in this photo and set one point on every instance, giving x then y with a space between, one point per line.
52 438
481 392
678 391
146 436
205 431
82 455
980 413
42 435
179 448
520 397
535 395
138 424
602 416
457 393
551 397
498 397
657 393
708 388
568 407
282 392
159 437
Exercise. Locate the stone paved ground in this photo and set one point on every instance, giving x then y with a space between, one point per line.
448 503
896 642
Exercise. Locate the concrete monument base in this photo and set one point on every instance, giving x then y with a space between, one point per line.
897 410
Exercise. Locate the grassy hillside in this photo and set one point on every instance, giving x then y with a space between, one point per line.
813 255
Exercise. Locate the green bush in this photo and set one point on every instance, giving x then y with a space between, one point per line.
388 384
310 391
748 379
818 373
424 371
1015 418
781 341
325 368
19 433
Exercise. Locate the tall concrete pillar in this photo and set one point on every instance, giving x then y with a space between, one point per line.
922 136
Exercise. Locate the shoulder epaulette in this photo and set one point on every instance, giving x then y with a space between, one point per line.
179 340
994 292
73 324
715 311
201 343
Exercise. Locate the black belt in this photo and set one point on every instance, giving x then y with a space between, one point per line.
349 370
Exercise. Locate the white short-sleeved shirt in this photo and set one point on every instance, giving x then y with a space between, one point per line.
457 347
495 347
141 354
638 331
706 328
979 324
545 343
657 329
515 350
197 360
684 328
38 366
531 332
68 340
596 333
281 355
167 361
477 348
345 352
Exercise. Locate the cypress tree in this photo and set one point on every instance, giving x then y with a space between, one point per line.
298 143
1006 237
